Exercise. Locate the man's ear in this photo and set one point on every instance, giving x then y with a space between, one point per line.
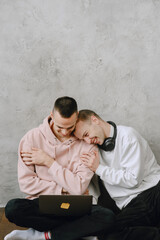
51 114
94 119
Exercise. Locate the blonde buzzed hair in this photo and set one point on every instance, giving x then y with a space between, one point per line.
85 115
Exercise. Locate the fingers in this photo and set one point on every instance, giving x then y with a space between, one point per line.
35 149
86 192
87 161
90 160
27 158
93 153
31 152
29 155
28 163
86 155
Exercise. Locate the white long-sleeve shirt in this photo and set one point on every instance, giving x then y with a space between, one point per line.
130 168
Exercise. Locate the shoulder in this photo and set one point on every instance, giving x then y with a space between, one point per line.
85 146
31 135
128 134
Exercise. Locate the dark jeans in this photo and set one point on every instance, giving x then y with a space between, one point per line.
140 218
25 213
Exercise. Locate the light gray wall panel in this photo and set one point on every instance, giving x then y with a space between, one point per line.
105 53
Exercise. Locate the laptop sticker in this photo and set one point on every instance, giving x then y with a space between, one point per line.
65 205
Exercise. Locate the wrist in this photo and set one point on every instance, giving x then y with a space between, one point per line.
50 161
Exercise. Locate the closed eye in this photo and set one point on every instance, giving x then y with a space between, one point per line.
66 128
85 134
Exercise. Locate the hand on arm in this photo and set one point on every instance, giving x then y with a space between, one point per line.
91 160
37 157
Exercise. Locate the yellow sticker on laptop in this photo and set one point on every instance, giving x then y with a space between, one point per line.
65 205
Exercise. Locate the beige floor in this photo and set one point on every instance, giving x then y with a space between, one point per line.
5 226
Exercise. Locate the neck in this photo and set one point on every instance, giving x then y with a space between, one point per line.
106 128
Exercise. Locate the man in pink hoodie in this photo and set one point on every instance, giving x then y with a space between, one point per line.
49 163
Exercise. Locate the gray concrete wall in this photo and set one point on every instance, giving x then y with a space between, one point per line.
105 53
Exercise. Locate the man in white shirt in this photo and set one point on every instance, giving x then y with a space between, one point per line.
129 171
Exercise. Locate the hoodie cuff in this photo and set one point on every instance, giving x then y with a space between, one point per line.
51 170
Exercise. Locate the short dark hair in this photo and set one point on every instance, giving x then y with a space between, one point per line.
85 114
66 106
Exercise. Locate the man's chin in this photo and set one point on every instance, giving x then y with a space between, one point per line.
65 136
100 143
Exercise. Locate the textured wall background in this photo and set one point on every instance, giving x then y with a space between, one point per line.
105 53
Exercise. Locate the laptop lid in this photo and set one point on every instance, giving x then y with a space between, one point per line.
65 205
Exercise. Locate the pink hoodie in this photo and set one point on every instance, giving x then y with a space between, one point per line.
67 172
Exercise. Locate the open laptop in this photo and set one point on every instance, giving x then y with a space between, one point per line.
65 205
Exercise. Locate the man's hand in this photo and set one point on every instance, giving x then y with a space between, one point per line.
91 160
64 192
37 157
